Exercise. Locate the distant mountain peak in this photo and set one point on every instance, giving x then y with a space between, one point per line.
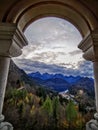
60 82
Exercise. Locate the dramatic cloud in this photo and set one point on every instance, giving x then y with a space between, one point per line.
53 48
52 40
84 68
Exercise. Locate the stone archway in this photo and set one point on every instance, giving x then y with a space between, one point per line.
24 12
15 16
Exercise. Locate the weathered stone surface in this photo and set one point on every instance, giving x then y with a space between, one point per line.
89 46
4 68
93 124
5 126
11 43
11 40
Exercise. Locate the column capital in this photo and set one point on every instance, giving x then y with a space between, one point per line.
89 45
12 40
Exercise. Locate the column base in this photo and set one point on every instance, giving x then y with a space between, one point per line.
1 118
93 124
5 125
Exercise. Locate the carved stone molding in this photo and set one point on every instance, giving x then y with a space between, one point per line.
93 124
5 126
89 45
1 118
11 40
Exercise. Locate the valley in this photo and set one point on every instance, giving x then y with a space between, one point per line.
48 101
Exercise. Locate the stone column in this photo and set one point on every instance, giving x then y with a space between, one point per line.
89 46
4 67
11 43
95 64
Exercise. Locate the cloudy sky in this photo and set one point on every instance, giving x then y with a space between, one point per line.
53 48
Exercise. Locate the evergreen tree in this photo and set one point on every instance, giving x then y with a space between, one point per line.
56 104
47 106
71 113
47 111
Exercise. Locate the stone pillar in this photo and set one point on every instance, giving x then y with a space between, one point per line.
89 46
95 64
11 43
4 67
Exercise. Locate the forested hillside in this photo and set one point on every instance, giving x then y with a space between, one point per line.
30 106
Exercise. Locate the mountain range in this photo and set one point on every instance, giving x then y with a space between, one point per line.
54 82
59 82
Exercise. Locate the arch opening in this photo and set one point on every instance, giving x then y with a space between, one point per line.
52 52
23 13
53 40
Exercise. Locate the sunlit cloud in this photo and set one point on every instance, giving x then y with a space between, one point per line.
53 48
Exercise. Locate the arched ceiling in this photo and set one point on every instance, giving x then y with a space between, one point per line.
78 12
